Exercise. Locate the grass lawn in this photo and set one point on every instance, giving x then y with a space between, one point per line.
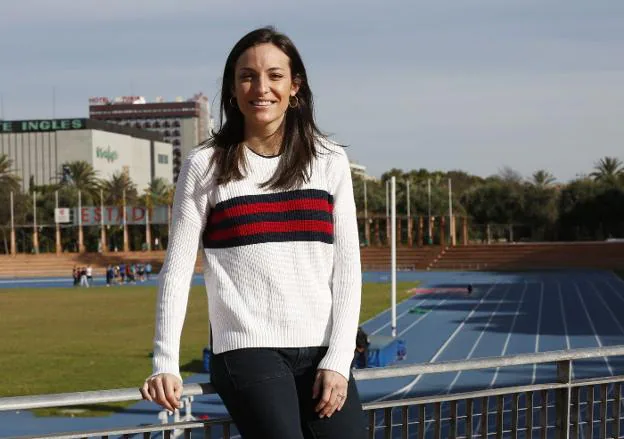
70 340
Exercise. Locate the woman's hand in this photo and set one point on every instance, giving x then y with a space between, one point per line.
331 390
164 389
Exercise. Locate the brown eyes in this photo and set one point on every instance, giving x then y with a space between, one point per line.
249 76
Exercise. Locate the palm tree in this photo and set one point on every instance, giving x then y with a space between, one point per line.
115 187
83 177
608 169
8 180
542 178
159 192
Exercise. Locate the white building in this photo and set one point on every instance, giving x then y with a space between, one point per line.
360 171
183 122
38 149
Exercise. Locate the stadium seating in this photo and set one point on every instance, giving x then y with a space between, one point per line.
523 256
408 258
471 257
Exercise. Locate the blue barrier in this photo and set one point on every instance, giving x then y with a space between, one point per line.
384 350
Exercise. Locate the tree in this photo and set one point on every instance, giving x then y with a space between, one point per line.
608 170
115 187
159 192
541 208
542 178
509 175
83 177
9 181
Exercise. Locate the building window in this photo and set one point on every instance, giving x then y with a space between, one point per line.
167 133
163 159
176 124
147 125
156 125
176 142
176 132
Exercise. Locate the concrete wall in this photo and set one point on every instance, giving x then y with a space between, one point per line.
163 170
42 155
116 153
189 131
32 154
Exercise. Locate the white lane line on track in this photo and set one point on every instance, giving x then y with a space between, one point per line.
474 346
421 318
609 310
563 315
617 278
615 290
513 325
591 323
539 327
617 322
409 386
385 325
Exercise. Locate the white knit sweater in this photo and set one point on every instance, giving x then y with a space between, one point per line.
281 268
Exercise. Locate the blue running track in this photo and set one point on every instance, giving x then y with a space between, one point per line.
507 313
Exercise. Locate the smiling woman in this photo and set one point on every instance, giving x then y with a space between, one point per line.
271 200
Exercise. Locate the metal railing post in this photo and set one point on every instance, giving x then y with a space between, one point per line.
562 400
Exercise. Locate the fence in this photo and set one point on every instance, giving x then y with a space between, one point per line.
38 224
32 225
564 408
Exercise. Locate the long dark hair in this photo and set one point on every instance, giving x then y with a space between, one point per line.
300 132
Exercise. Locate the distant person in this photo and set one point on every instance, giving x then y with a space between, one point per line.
131 273
122 272
84 282
270 199
117 275
140 272
148 270
89 272
110 275
76 276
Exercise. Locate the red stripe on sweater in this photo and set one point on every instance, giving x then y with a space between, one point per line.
278 206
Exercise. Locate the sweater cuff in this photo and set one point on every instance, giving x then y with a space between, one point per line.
177 374
338 361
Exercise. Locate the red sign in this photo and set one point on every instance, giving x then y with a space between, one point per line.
99 101
111 215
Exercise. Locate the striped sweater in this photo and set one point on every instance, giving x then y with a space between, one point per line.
281 268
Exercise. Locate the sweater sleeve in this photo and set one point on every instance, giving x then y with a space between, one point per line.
346 281
190 208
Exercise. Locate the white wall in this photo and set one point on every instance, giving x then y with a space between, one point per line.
164 171
73 145
125 154
189 135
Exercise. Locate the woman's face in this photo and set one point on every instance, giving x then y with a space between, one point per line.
263 86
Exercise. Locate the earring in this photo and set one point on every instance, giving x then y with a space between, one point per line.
232 101
296 102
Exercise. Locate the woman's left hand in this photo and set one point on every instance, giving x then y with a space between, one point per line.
331 390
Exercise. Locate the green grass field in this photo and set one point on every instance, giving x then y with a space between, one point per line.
69 340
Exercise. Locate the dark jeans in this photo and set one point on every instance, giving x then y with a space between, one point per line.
268 393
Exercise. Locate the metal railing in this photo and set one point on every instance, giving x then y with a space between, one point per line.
564 408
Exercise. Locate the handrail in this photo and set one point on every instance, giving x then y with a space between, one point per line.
133 394
488 362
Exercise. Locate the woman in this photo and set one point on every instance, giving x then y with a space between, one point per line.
271 200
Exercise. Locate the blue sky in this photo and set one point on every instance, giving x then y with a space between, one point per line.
465 84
